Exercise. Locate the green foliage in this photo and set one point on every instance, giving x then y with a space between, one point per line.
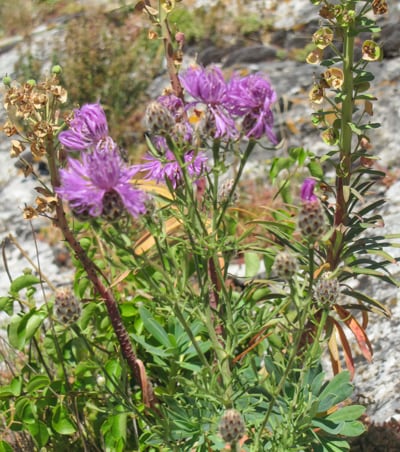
168 339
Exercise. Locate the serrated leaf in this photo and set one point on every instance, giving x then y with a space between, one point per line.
23 282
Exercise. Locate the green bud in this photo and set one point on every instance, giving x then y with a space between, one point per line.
56 69
31 82
7 80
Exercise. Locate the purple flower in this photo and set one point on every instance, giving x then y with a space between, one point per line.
207 86
251 98
307 190
87 128
167 167
101 176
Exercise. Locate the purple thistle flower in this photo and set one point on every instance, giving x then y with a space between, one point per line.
100 176
207 86
167 167
251 97
307 190
87 128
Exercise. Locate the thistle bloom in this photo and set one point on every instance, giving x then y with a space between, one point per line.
100 181
208 87
251 98
307 190
311 219
168 168
87 128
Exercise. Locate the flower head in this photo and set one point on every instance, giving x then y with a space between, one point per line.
166 167
87 128
100 184
307 190
311 219
251 97
208 87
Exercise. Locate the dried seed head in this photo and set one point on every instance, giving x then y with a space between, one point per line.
323 37
67 307
285 265
311 220
327 289
371 51
316 94
231 426
379 7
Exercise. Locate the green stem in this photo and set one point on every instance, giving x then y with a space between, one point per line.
343 173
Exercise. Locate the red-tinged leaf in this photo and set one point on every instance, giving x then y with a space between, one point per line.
334 354
357 330
364 319
348 357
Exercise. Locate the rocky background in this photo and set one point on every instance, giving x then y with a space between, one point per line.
276 52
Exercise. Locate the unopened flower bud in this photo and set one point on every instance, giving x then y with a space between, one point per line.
327 289
285 265
7 80
158 119
224 191
231 426
180 38
67 307
56 69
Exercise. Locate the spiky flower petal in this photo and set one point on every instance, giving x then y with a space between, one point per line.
87 128
89 183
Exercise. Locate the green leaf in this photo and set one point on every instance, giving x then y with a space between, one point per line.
61 422
5 447
25 410
22 282
40 432
13 389
34 321
154 328
252 263
7 305
327 426
315 169
347 413
37 382
353 428
337 390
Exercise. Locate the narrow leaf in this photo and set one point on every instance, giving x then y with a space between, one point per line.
348 356
357 330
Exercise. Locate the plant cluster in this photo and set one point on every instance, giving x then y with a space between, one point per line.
156 345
